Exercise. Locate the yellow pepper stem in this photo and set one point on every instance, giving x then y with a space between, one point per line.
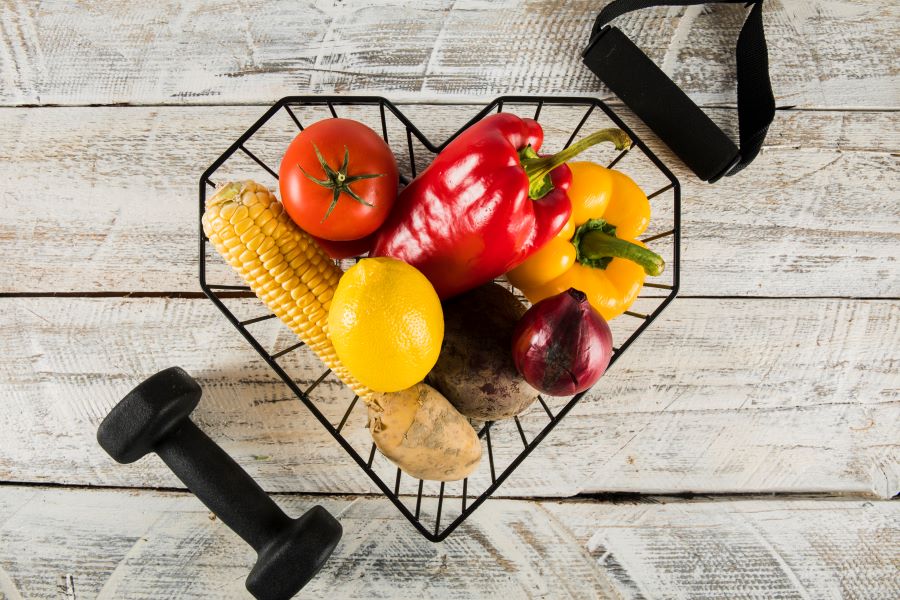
538 167
596 245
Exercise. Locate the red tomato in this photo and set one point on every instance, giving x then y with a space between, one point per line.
338 180
348 249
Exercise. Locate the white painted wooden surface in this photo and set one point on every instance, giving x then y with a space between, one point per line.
774 395
127 545
823 54
815 215
742 548
778 373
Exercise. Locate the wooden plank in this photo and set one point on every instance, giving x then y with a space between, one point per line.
742 548
122 544
253 51
816 215
118 544
718 395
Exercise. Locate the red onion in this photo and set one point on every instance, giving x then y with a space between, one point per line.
562 345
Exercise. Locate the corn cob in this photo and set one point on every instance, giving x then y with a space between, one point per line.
282 264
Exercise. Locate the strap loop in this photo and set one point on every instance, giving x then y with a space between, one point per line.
668 111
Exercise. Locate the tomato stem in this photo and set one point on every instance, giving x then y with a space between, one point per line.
338 181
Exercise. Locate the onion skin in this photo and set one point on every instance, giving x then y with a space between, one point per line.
562 346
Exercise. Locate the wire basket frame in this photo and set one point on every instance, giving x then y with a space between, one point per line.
545 413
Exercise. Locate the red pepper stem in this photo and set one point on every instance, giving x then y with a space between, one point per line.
538 168
597 245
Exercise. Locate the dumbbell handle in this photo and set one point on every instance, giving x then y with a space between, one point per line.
222 485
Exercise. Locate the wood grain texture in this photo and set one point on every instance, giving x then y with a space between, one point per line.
721 395
203 51
118 544
742 548
124 545
816 214
772 396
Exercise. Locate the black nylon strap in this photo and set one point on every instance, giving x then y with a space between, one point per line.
668 111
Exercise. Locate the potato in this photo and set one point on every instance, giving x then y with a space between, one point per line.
420 432
475 369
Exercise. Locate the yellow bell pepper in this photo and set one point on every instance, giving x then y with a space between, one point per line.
597 251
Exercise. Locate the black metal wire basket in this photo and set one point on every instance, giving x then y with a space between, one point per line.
506 443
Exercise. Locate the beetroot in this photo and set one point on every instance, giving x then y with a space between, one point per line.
562 345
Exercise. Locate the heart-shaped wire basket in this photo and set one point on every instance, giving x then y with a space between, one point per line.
434 508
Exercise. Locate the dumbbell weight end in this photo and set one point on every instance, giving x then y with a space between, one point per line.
155 417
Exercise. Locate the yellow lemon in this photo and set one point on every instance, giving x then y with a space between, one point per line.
386 324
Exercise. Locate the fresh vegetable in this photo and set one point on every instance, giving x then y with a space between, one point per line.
348 249
475 370
386 324
596 251
562 346
423 434
484 205
283 266
338 180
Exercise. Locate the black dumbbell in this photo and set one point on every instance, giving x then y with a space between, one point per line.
155 417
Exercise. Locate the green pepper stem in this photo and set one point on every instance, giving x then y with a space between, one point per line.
597 245
538 168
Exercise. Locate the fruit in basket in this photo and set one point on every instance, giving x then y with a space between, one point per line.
475 370
338 180
597 250
484 205
562 345
386 324
421 432
281 264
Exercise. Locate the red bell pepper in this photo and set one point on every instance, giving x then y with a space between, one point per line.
485 204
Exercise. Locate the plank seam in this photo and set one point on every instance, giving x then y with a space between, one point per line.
468 101
201 295
583 498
